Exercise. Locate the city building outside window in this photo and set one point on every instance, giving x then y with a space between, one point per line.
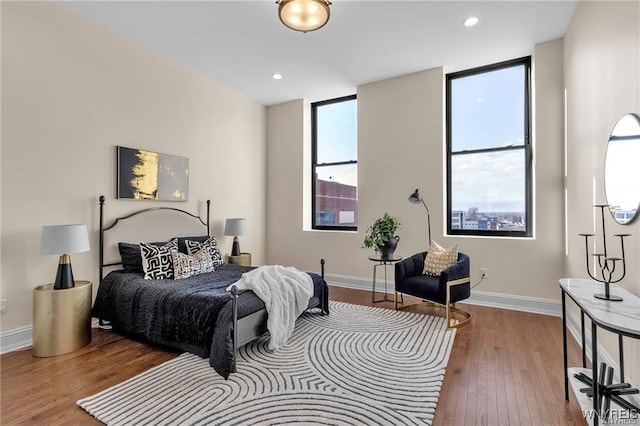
489 150
335 164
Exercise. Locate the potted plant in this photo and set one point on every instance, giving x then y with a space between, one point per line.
382 235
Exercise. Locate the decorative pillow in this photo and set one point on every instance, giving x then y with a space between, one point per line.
185 265
439 258
182 246
156 261
212 247
131 256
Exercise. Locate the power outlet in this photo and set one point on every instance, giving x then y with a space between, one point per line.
484 273
3 306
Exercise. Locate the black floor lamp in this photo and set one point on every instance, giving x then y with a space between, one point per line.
417 199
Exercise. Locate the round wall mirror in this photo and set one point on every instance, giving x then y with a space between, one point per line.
622 169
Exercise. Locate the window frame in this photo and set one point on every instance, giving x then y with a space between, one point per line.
527 147
314 162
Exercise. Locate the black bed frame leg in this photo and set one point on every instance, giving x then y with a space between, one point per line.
323 294
234 304
101 200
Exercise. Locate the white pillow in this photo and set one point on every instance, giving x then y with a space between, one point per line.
439 258
185 265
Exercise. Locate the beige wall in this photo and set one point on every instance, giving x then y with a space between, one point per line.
71 91
602 80
400 148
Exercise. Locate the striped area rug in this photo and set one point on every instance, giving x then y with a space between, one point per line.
358 366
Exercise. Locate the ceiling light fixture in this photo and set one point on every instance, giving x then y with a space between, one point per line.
277 76
304 15
471 21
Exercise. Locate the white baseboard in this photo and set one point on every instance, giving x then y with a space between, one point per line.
515 303
482 298
16 339
358 283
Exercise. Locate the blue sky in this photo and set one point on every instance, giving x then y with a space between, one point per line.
487 112
337 131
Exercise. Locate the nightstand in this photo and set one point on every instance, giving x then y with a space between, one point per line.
61 319
244 259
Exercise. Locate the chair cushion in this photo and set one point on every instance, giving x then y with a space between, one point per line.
423 286
439 258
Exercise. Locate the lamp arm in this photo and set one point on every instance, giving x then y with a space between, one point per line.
428 218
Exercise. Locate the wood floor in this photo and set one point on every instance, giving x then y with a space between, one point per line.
505 369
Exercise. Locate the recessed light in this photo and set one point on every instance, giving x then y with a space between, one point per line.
471 21
277 76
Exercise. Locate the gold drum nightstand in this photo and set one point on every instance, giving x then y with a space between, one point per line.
244 259
61 319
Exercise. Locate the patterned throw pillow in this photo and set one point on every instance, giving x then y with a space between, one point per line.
439 258
185 265
182 245
212 247
156 261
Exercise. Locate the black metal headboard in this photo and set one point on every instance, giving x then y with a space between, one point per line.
150 212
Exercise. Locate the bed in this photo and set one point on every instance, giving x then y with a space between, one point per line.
194 314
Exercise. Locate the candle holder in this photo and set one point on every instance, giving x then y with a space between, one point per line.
605 263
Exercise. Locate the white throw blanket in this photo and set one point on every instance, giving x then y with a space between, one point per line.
285 292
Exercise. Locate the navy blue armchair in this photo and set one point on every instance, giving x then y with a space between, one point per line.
451 286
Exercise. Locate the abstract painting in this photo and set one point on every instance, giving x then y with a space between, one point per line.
147 175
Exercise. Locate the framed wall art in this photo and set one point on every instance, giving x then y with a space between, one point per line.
148 175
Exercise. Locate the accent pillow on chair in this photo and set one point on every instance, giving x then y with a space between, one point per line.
439 258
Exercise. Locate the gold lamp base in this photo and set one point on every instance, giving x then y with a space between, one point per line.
61 319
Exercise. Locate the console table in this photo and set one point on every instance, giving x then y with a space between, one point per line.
621 318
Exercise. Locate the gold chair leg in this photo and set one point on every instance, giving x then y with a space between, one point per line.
466 315
451 306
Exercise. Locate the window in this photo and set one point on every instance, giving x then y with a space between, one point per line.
489 150
334 164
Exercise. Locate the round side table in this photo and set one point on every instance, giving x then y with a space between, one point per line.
61 319
381 261
244 259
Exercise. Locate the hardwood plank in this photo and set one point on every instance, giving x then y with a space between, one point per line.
493 361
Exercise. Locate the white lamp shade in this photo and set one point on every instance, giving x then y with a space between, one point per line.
64 239
235 226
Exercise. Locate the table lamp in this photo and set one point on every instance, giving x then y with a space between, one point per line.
62 240
233 228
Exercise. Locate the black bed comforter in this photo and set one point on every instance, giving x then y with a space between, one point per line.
192 314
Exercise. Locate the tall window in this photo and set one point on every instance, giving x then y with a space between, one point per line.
489 150
335 164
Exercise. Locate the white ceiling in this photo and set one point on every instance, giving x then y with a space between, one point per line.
242 43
